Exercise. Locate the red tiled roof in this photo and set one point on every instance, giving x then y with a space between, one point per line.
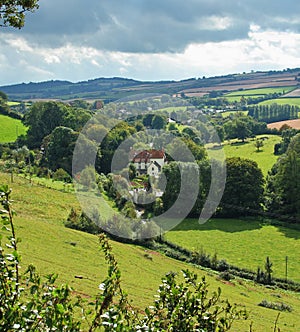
148 154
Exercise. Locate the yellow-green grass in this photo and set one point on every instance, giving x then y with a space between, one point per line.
13 103
233 99
10 129
265 158
282 101
243 243
260 91
47 244
228 113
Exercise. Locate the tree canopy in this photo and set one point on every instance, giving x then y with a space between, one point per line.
244 188
12 12
283 183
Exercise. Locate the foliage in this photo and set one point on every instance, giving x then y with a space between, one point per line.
244 188
12 13
59 147
82 222
43 117
87 178
276 306
274 112
259 143
286 135
61 175
282 190
121 132
158 122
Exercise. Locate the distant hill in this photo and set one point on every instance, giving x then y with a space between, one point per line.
110 89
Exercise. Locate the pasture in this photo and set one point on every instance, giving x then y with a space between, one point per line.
243 243
228 113
53 248
282 101
265 158
260 92
10 129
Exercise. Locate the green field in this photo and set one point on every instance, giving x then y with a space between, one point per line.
282 101
243 243
265 158
47 244
10 129
233 99
13 103
260 91
227 113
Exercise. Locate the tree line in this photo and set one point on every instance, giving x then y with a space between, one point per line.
273 112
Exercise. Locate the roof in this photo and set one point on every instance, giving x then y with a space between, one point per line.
146 155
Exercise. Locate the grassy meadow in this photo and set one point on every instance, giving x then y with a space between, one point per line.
243 243
10 129
265 158
282 101
260 91
50 247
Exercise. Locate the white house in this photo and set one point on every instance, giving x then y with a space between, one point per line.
148 161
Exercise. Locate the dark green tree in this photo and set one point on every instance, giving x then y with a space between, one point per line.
59 151
44 117
159 122
244 188
283 183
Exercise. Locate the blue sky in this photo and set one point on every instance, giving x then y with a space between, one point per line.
150 39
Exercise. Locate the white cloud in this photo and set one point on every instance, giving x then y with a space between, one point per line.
215 23
22 60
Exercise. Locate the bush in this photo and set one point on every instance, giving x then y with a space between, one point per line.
226 275
82 223
222 265
276 306
61 175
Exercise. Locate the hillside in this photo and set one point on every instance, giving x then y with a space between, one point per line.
53 248
110 89
10 129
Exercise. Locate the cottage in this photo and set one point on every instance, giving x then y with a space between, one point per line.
149 161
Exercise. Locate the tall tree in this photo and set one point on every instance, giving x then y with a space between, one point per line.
283 183
244 188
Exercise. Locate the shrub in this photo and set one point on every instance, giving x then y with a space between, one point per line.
61 175
82 223
226 275
275 305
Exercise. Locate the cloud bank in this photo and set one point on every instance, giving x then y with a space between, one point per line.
150 40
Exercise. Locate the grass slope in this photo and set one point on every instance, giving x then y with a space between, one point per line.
260 92
265 158
47 244
243 243
282 101
10 129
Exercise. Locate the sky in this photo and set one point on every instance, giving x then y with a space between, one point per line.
78 40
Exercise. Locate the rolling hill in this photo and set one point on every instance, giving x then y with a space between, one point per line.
53 248
110 89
